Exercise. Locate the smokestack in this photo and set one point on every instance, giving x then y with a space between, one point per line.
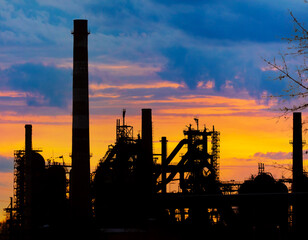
297 152
28 178
80 177
28 137
147 146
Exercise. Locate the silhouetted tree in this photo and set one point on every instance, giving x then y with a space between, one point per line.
297 89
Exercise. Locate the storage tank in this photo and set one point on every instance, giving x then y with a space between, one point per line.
37 189
55 183
264 206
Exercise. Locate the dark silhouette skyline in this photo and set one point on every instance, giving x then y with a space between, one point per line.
127 195
130 199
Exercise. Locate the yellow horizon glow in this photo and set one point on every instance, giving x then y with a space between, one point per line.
241 135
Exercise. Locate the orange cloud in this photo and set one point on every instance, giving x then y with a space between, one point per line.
11 117
206 85
12 94
202 105
161 84
104 95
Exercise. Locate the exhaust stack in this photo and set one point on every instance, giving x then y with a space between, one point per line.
28 179
80 176
297 152
147 146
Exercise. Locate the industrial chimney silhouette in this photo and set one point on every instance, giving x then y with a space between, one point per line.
80 175
297 152
28 178
147 146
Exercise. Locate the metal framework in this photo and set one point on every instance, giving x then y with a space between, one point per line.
216 152
19 185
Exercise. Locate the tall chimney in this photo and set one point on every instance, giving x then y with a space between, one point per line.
28 178
297 152
28 137
147 146
80 176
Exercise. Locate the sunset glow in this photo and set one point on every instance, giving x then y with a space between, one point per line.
162 55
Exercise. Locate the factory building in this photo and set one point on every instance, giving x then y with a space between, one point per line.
40 191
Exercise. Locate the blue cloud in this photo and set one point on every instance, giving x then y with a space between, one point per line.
122 16
48 85
184 65
232 20
237 22
6 164
193 65
179 31
192 40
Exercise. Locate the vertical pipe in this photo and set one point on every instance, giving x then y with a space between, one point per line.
11 219
123 115
80 182
297 152
204 142
147 145
164 163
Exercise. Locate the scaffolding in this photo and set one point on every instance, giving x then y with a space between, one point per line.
124 132
216 152
19 186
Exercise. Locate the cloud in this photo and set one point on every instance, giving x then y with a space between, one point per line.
29 24
6 164
236 22
226 68
230 20
195 40
156 85
189 42
273 155
42 85
265 157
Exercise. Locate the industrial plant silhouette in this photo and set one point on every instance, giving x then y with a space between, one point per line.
127 196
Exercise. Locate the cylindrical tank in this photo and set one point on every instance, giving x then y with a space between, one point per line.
55 201
263 213
56 182
37 163
37 187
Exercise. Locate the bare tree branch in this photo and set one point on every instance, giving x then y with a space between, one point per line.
296 77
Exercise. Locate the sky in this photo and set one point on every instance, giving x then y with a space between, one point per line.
184 59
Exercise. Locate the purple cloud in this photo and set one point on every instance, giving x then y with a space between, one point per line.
273 155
